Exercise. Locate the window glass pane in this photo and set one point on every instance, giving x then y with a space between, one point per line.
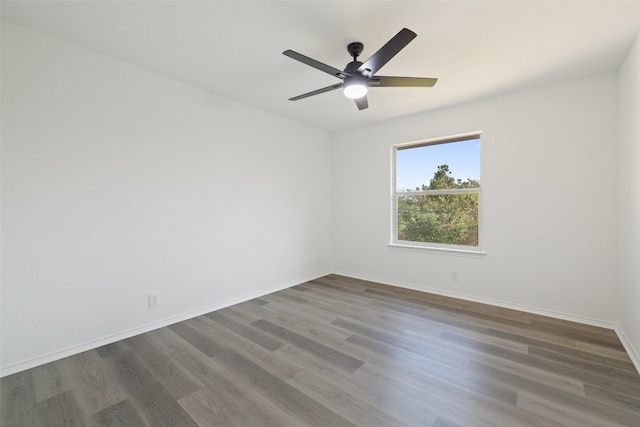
417 167
445 218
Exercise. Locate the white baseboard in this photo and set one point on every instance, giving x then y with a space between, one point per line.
634 354
90 345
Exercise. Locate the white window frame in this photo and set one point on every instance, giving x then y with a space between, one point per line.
437 247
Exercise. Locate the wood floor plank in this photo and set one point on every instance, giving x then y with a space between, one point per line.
336 357
595 349
424 347
298 404
245 313
339 351
531 373
112 349
442 421
453 308
418 325
178 381
201 341
245 331
436 318
584 333
52 379
257 354
59 410
435 302
403 405
571 351
233 399
289 297
431 399
18 401
121 414
152 401
567 416
630 386
367 313
94 390
307 314
211 407
581 363
434 380
348 406
332 337
476 402
442 321
406 403
613 398
588 406
303 321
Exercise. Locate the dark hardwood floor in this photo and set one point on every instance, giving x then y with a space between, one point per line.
340 352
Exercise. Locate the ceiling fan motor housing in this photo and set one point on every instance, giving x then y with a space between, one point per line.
352 67
355 49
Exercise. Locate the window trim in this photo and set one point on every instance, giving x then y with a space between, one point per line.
434 247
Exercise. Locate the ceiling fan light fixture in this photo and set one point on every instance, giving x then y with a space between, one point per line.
355 88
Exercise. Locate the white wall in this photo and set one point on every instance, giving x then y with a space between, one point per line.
118 182
549 201
629 234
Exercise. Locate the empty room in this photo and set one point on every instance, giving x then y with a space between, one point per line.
320 213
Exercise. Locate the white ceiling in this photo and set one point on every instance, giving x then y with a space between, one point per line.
234 48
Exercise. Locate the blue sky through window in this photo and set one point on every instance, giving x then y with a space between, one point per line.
416 166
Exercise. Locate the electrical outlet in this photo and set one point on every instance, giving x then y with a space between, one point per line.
455 276
153 300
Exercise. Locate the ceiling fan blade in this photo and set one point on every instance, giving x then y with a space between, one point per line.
388 51
362 102
315 64
317 92
391 81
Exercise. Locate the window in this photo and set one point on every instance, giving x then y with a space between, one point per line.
436 193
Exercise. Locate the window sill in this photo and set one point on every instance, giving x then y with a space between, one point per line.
473 253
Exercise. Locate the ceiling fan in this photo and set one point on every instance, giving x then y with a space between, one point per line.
358 76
